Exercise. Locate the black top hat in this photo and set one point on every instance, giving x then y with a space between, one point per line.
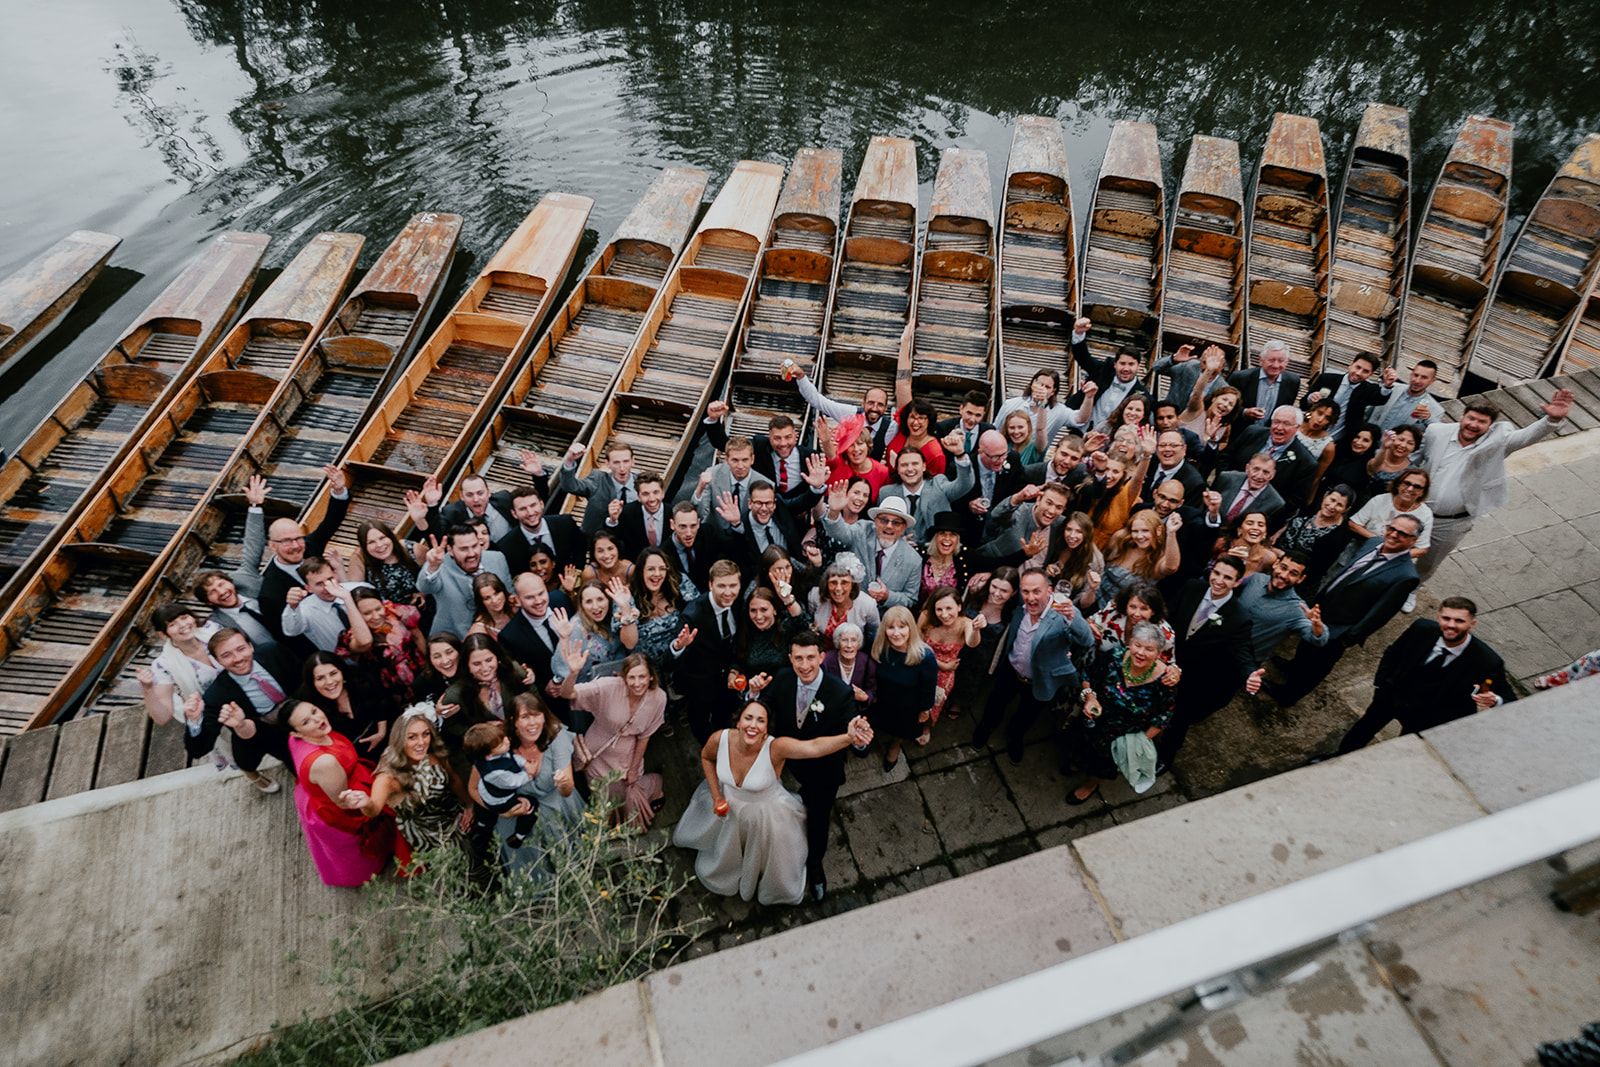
945 522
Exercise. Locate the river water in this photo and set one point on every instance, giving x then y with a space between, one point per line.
165 121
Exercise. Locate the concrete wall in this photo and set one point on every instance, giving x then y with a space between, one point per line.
1492 965
158 922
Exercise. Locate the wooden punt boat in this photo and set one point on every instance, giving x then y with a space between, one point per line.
308 421
55 631
70 453
1371 241
1038 257
1581 351
556 393
1456 250
952 350
34 299
677 358
1546 275
873 291
1124 248
1203 295
788 313
423 425
1287 259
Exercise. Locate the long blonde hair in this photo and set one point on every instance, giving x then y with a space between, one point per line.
916 647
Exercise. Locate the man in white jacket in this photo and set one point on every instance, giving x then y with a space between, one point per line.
1467 462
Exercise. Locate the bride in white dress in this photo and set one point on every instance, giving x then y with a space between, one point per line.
749 830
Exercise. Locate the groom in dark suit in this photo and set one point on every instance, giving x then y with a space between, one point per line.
803 702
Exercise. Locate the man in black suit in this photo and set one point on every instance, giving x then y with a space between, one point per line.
767 525
1295 470
694 547
645 522
804 702
1264 388
1196 532
530 637
288 545
532 526
998 473
701 674
779 455
1115 378
243 699
1357 598
1172 464
477 504
1433 673
1212 648
1238 493
1354 391
969 421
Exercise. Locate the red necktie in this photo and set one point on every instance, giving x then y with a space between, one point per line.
1245 495
273 693
783 475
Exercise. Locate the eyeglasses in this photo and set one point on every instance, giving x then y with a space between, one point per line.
288 540
1397 530
1413 485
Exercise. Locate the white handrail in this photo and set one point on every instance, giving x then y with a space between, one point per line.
1063 998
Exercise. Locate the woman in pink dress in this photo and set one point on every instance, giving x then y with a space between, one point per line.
347 846
627 711
947 632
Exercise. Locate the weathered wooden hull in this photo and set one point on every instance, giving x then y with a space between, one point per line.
1551 268
69 455
308 421
874 288
35 297
667 378
1456 249
559 391
437 406
1581 351
952 350
1371 241
1124 248
1038 262
788 314
1289 249
55 631
1203 293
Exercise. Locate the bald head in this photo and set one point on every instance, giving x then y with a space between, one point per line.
992 449
287 540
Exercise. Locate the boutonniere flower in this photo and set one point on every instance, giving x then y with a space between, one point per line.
1215 620
815 707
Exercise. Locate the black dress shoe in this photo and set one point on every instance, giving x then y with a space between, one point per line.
819 891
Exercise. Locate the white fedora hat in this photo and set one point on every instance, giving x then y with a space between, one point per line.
892 505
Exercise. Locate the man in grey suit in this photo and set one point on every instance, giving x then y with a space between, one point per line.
448 578
894 566
734 477
600 487
927 497
1023 523
1242 492
233 594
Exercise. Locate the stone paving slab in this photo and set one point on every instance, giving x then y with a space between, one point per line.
1527 649
1039 789
1492 970
889 830
970 806
1569 620
788 993
608 1029
1526 749
1272 833
1343 1015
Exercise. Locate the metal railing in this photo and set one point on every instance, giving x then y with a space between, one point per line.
1217 959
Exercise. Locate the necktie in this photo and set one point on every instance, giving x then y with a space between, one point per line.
650 531
244 606
268 686
1246 494
622 494
344 616
1358 568
881 553
968 439
912 500
1437 660
725 623
550 638
1204 612
783 475
801 705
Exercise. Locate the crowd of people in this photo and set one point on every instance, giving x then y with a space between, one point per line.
1117 563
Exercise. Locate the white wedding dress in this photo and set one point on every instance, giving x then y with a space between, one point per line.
757 850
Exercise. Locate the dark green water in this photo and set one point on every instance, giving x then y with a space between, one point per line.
167 120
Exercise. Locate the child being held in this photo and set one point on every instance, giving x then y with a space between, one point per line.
501 774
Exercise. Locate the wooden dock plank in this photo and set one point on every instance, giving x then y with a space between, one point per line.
27 768
122 753
77 749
